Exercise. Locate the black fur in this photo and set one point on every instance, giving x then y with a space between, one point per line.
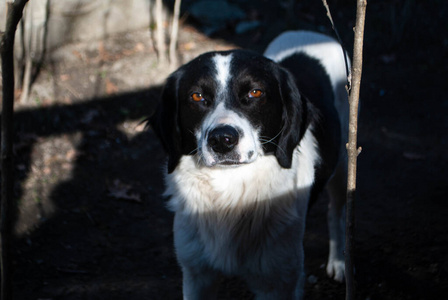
165 122
296 91
281 114
315 87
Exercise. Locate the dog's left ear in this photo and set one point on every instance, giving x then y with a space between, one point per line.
165 122
295 118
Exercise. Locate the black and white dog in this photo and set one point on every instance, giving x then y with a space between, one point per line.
251 141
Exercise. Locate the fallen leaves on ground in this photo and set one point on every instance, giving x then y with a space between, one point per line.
123 191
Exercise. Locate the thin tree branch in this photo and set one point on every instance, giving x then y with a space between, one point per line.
335 30
14 14
352 147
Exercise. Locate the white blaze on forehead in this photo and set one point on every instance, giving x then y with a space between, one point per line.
222 66
221 115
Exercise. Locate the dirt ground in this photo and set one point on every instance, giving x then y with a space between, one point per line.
91 222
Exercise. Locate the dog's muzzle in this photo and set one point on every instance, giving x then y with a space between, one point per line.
227 140
223 139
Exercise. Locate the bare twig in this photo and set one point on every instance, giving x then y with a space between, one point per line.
174 34
352 148
347 68
353 87
14 14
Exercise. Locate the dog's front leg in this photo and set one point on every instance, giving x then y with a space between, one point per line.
199 284
199 280
286 293
274 288
282 276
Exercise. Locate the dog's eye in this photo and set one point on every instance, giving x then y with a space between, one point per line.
255 93
197 97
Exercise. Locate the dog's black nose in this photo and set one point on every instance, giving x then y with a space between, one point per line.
223 139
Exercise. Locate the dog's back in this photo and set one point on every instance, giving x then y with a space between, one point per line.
326 51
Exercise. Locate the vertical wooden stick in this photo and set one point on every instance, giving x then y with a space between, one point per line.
352 148
14 14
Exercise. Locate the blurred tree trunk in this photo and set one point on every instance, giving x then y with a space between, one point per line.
174 34
43 48
27 52
160 34
159 37
33 39
14 14
19 65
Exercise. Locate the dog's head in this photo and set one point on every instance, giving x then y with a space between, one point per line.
229 108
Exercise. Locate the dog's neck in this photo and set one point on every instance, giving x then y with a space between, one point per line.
194 188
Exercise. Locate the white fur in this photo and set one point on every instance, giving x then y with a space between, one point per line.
222 66
197 189
248 143
213 205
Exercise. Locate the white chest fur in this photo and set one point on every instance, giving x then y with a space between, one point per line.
234 210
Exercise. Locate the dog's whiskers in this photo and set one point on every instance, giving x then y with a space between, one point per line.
193 151
271 142
197 154
265 141
262 138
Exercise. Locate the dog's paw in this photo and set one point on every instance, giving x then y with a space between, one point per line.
336 269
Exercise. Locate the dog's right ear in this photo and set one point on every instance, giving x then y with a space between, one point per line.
165 122
293 109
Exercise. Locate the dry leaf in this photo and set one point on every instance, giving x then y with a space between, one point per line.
71 155
139 47
65 77
46 171
413 156
188 46
17 93
78 55
89 116
110 87
388 58
102 52
122 191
